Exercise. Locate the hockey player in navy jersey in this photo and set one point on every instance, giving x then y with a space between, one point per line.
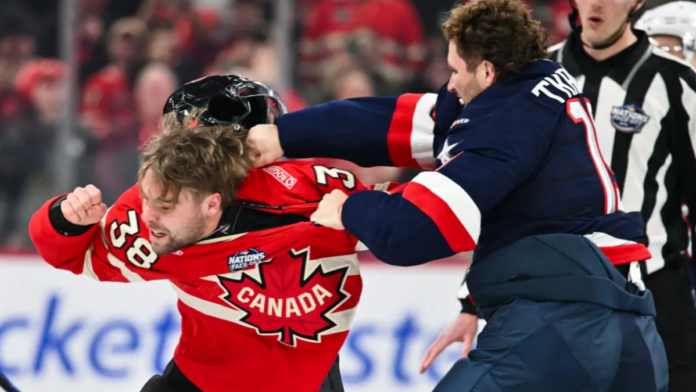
519 180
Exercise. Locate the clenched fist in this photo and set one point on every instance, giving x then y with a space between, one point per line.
329 211
265 142
84 206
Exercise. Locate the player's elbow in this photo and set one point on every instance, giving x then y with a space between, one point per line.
408 252
399 259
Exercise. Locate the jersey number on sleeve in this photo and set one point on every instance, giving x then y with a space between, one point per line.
140 252
579 112
323 173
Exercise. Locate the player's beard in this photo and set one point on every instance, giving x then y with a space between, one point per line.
188 235
470 91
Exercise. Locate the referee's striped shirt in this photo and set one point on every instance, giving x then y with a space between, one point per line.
644 104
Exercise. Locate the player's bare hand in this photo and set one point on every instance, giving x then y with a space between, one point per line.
84 206
266 144
329 212
463 329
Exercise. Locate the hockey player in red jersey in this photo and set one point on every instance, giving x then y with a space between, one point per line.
266 297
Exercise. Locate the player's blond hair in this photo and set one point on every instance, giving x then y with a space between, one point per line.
202 159
499 31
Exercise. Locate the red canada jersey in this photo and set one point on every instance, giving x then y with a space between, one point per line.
264 310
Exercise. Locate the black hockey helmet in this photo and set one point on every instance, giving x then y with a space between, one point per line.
230 99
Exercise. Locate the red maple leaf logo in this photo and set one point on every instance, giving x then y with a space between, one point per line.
284 302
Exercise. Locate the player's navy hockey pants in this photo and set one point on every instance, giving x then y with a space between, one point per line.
560 318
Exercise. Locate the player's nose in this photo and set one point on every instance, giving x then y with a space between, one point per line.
149 214
450 85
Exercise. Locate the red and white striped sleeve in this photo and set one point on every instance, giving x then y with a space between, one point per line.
410 137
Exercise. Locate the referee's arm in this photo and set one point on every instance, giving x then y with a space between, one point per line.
683 138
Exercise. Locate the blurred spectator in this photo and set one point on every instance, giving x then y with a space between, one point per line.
17 45
17 35
353 83
133 53
557 23
242 18
193 27
12 105
107 104
247 50
252 57
385 37
154 85
109 110
165 47
28 147
91 43
435 72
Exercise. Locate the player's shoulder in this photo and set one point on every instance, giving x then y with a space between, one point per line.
538 93
525 104
127 209
129 200
285 174
282 183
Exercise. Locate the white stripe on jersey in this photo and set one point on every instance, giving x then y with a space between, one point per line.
422 132
210 308
604 240
656 106
611 94
577 112
655 227
328 264
360 247
689 100
127 273
456 198
87 268
463 291
580 82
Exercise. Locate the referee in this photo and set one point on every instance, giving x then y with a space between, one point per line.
644 107
644 103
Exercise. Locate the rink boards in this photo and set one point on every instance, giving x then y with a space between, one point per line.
61 332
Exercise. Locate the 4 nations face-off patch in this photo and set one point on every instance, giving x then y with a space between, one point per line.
628 118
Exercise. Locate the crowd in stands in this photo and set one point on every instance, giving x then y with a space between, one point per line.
133 53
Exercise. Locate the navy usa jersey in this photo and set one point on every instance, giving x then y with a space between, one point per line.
520 159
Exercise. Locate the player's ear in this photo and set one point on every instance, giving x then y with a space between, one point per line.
489 72
212 204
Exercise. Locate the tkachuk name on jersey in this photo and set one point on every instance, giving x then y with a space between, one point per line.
561 82
628 118
245 259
